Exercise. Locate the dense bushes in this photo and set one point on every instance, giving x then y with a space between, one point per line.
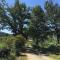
14 43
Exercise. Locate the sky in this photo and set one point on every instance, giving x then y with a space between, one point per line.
30 3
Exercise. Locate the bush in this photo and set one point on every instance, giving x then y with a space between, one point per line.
4 51
20 44
3 45
15 43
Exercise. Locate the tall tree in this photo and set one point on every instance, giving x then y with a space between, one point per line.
15 16
53 13
37 24
18 14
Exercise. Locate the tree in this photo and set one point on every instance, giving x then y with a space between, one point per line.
18 13
2 13
37 27
14 17
53 13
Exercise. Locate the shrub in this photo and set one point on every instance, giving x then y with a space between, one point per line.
20 44
20 39
15 43
3 45
7 43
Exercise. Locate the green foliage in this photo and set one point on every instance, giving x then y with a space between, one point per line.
10 42
37 27
21 39
13 18
20 44
19 13
2 45
52 11
53 15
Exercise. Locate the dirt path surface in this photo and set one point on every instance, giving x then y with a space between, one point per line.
37 57
31 56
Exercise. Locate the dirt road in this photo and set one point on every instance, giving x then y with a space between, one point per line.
36 57
31 56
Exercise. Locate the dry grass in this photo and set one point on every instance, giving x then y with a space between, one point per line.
56 57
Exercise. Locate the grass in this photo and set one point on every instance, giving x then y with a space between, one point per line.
2 45
18 58
23 58
55 57
3 59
